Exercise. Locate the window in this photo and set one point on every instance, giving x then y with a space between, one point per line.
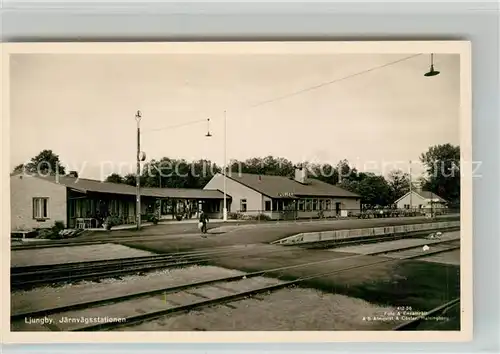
308 204
40 208
328 205
301 205
420 206
315 204
243 205
267 205
407 206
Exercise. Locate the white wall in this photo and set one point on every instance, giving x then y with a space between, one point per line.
256 201
350 204
417 202
23 188
237 191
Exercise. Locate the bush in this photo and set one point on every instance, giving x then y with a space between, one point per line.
58 226
263 217
152 218
45 233
111 221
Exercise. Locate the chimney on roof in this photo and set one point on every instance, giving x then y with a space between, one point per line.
301 174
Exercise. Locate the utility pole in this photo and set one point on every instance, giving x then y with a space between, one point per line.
411 191
224 210
138 173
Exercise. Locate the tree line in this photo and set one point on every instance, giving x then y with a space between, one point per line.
442 165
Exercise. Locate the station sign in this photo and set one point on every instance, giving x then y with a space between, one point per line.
286 194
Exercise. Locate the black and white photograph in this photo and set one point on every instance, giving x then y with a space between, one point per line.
229 187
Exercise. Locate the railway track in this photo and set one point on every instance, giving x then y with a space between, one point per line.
413 323
27 277
149 305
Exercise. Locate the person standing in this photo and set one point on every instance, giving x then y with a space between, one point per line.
203 220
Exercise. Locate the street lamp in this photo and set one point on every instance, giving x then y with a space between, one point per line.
431 71
208 135
224 210
138 117
411 191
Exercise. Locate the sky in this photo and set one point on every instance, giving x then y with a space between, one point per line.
83 106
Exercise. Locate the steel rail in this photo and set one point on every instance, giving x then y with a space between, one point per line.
43 312
31 279
414 323
228 298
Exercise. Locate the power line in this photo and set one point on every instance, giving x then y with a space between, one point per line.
315 87
178 125
311 88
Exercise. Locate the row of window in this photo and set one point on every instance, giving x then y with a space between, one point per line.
40 206
407 206
301 205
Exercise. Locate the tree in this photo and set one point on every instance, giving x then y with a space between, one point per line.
18 168
442 164
374 190
399 183
114 178
46 162
177 173
129 179
269 165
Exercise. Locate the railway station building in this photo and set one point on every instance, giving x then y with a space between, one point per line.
39 201
280 197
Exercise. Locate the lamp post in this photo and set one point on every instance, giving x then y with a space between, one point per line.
138 117
411 191
224 166
224 210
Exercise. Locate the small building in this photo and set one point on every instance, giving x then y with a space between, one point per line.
421 200
281 197
39 201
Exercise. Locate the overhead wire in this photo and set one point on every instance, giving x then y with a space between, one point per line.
307 89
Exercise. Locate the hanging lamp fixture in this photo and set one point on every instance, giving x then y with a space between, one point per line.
431 71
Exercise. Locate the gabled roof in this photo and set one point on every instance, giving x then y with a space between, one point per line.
281 187
85 185
430 195
425 195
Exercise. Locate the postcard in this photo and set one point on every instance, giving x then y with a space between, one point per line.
237 191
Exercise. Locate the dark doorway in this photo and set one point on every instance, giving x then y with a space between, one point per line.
337 208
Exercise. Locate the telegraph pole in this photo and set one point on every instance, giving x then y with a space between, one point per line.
224 210
138 173
411 191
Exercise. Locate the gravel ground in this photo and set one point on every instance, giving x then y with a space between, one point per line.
284 310
58 255
46 297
